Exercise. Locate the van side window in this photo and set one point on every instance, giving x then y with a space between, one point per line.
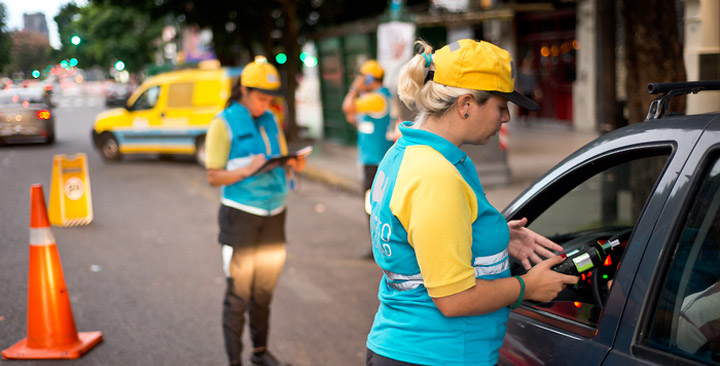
686 318
147 99
180 95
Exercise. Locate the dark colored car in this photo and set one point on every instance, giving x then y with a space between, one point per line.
26 116
117 94
655 300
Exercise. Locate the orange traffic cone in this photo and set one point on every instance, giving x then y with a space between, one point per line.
51 331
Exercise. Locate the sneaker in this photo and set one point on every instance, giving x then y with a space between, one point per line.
266 359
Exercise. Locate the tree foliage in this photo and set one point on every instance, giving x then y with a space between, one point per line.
30 51
108 33
245 28
5 39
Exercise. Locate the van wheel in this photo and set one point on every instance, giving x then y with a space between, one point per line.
109 147
200 150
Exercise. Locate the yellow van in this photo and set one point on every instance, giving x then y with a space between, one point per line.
167 114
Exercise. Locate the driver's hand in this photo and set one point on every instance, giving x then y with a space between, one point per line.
526 245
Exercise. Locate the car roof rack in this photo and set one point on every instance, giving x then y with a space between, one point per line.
658 106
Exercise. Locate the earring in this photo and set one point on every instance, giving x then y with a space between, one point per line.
467 115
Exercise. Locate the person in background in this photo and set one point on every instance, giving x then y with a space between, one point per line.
444 250
527 85
367 107
252 211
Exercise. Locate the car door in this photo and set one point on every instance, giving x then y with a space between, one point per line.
673 309
613 188
144 115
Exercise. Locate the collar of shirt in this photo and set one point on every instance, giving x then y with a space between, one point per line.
414 136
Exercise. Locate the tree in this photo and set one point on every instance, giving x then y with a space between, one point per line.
653 53
5 39
244 28
108 33
30 51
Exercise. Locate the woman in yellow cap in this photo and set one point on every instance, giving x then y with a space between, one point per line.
252 212
367 107
447 290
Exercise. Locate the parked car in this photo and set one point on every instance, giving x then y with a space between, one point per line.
168 113
654 186
117 94
26 116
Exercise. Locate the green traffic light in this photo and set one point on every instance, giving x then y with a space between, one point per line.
119 65
36 74
73 61
281 58
75 40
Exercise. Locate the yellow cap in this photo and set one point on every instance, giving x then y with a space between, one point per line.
480 66
373 68
261 75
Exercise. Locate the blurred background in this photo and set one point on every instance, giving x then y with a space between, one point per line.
591 58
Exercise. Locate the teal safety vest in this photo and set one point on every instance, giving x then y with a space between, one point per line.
372 131
263 194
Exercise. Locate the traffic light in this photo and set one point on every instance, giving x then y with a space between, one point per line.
75 40
119 65
281 58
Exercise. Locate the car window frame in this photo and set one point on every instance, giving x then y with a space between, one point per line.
568 180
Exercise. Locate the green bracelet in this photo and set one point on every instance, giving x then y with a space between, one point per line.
522 293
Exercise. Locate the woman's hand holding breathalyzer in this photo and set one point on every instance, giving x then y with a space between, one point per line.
544 284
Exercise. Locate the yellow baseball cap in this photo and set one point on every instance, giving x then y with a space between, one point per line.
261 75
373 68
480 66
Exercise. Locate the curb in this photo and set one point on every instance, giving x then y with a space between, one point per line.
322 175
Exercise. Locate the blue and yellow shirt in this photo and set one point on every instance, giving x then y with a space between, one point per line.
233 138
373 121
433 234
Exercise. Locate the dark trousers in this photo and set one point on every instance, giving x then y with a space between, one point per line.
254 268
374 359
369 172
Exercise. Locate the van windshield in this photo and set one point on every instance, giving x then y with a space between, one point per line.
147 100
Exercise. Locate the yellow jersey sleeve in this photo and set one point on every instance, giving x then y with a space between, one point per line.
217 144
437 208
370 103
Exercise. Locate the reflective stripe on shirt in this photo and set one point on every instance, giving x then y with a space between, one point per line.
484 266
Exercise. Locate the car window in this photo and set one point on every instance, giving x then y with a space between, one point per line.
686 316
147 99
600 203
180 95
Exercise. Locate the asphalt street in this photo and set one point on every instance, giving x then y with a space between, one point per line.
147 271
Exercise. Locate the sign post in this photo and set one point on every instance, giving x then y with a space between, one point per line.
70 198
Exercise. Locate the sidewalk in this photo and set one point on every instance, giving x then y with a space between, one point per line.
532 150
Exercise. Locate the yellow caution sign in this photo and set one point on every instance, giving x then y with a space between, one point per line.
70 198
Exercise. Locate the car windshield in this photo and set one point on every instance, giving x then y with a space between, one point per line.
20 96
